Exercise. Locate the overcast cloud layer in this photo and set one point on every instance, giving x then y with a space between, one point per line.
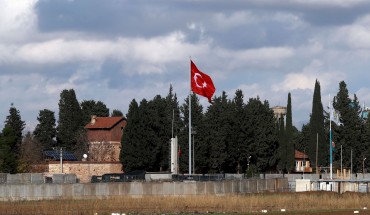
117 50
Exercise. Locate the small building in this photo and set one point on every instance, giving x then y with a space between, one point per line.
302 162
104 146
104 138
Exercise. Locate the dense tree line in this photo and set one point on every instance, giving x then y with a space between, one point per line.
230 135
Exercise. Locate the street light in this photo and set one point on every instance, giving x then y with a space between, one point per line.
363 167
249 158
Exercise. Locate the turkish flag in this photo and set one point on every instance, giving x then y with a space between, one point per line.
201 83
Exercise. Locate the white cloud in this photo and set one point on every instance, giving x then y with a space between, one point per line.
17 19
305 80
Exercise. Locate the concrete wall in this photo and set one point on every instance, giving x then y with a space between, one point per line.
10 192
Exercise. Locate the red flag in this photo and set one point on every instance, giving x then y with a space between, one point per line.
201 83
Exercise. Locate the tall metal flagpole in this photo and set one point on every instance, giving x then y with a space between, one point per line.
190 120
330 137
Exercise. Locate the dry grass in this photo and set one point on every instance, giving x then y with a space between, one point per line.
228 203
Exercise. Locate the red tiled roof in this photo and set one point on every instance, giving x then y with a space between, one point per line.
104 122
300 155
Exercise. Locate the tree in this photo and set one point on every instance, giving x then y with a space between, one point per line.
217 132
8 158
317 141
15 122
350 132
91 107
31 153
237 149
201 146
116 113
262 140
45 131
282 148
70 120
130 142
289 134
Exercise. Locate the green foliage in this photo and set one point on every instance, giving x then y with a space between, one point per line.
116 112
317 137
45 131
201 146
282 148
8 157
350 132
289 134
15 122
70 121
91 107
217 127
261 134
148 132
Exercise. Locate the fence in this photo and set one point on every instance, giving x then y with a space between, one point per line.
106 190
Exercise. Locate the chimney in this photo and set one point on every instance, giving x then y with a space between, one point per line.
93 119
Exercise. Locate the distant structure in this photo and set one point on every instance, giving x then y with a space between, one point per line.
279 111
365 112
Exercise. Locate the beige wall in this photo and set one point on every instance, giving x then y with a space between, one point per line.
85 169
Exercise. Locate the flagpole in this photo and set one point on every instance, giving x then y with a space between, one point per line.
190 119
330 137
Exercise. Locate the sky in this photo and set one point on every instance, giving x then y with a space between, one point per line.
115 51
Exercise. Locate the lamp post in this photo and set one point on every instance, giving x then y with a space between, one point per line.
249 158
363 167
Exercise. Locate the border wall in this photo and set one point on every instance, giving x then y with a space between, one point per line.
15 192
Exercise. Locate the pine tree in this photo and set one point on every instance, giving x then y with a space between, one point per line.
45 131
262 140
237 149
70 121
217 126
8 157
15 122
350 132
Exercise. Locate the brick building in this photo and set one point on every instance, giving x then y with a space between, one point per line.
104 138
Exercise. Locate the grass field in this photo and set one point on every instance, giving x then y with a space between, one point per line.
293 203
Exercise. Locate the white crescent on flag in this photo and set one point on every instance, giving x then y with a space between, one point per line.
196 80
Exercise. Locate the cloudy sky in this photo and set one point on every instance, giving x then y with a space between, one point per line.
117 50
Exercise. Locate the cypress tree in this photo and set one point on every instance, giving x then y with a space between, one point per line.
289 132
130 143
317 131
282 149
